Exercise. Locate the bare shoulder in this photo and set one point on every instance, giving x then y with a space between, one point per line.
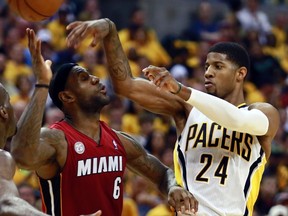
56 139
263 106
58 145
7 165
5 156
269 110
52 136
132 147
274 121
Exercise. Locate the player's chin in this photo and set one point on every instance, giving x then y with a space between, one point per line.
106 99
210 90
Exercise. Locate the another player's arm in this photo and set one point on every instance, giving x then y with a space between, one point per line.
10 203
150 167
7 171
136 89
224 113
15 206
261 119
139 90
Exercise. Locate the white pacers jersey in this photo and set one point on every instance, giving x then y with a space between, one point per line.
220 167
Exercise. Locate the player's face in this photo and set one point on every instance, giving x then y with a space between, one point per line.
90 93
219 75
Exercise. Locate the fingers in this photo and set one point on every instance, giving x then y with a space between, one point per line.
182 201
31 37
73 25
74 36
177 202
38 46
151 71
98 213
48 63
94 42
160 77
156 74
185 213
34 43
193 203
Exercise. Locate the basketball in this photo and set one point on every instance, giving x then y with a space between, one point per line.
35 10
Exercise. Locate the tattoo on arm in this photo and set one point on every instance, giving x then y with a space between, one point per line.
29 125
117 61
119 71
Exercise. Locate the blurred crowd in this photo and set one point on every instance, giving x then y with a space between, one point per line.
183 54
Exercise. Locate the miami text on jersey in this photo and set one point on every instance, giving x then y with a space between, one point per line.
99 165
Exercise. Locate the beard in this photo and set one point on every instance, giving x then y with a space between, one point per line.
95 104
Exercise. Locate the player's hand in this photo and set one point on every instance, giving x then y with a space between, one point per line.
186 214
98 213
182 201
162 78
41 68
79 30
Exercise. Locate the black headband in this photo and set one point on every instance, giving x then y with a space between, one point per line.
58 82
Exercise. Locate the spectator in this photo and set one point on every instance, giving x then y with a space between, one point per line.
252 17
278 210
204 25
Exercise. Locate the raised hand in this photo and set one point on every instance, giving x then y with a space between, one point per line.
79 30
162 78
41 68
182 201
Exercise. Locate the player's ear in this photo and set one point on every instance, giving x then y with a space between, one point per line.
66 97
241 74
3 112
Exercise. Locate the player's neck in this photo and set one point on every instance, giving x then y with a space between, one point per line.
89 127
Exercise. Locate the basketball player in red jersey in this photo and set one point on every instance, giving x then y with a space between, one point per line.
80 161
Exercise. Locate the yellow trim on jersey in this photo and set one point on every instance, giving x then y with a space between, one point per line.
255 181
177 169
242 104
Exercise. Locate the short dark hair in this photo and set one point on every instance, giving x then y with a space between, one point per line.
58 82
234 51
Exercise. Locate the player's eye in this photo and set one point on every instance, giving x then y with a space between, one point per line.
218 66
84 76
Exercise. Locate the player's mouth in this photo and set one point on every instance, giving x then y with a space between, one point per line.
103 89
208 84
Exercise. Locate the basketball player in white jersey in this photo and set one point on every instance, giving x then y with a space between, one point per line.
223 143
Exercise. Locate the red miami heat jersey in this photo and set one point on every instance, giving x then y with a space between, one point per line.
92 177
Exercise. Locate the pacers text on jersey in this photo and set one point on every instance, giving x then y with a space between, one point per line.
213 135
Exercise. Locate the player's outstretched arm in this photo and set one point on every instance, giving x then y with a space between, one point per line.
150 167
138 90
253 121
25 146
